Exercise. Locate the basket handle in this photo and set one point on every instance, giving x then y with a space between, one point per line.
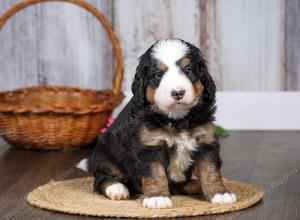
111 35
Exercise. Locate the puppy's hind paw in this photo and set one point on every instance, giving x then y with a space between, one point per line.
226 198
157 202
117 191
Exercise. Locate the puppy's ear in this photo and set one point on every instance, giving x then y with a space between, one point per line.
138 86
209 93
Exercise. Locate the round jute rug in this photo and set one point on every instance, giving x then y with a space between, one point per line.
77 197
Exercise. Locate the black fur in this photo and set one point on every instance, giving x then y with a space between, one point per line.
120 145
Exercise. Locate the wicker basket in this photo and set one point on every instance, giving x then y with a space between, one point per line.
51 118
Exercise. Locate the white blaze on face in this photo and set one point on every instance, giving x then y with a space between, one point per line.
169 52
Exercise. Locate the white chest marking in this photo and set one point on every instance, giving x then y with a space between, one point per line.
181 160
185 145
185 142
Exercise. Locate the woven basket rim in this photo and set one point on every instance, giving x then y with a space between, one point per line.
111 101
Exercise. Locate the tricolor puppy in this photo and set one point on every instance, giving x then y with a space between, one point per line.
164 134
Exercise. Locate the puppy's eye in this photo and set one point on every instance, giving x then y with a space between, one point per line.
159 74
188 70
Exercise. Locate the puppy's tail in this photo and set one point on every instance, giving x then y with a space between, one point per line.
83 165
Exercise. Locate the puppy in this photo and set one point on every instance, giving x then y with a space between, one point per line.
164 134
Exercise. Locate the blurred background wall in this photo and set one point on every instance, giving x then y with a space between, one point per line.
250 45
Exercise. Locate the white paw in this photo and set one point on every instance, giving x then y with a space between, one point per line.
159 202
83 165
117 191
225 198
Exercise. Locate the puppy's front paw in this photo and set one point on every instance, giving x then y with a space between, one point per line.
226 198
157 202
117 191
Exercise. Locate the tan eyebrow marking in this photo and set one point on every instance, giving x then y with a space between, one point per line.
161 65
184 62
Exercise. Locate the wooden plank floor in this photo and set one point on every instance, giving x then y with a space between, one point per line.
268 159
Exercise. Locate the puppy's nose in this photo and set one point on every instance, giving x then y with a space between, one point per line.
178 94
